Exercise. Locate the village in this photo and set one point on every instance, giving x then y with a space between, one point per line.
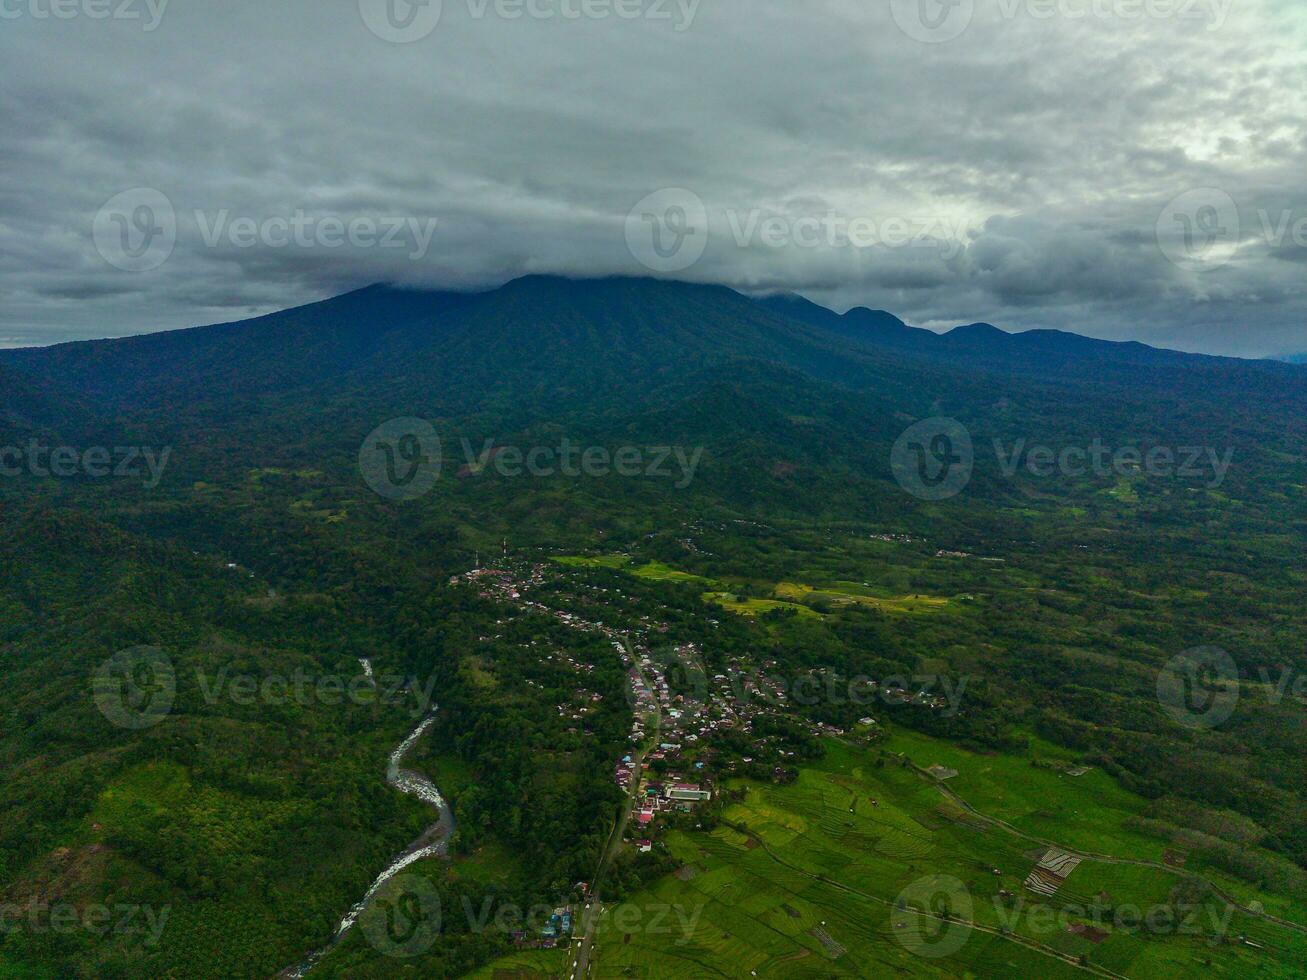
672 760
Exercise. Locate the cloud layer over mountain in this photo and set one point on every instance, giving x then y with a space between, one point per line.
1121 168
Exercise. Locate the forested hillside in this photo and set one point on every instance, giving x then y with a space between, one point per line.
760 500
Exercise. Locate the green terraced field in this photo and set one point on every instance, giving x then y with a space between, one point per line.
535 964
1089 812
806 879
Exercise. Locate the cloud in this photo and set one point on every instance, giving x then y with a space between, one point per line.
1021 172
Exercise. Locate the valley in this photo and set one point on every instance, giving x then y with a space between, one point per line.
785 717
653 489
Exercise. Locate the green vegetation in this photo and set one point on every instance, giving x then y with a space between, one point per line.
836 855
1039 611
531 965
746 606
848 593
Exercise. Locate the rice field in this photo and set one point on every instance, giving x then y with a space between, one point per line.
848 871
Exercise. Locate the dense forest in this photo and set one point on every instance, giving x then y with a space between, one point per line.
255 814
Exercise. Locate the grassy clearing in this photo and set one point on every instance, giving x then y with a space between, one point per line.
744 606
491 865
803 599
808 600
851 593
656 571
215 822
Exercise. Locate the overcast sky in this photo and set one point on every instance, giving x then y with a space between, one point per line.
1121 168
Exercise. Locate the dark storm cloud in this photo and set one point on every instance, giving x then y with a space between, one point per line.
1123 168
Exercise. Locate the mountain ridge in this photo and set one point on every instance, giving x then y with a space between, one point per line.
855 322
543 345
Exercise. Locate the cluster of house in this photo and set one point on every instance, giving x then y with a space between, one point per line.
495 582
561 657
583 702
654 798
555 931
727 701
559 925
625 772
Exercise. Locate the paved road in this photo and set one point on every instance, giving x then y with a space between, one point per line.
594 908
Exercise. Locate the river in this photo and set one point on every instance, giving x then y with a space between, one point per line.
433 843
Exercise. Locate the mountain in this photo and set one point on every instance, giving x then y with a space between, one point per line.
535 348
305 346
860 323
778 535
544 340
886 329
603 354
